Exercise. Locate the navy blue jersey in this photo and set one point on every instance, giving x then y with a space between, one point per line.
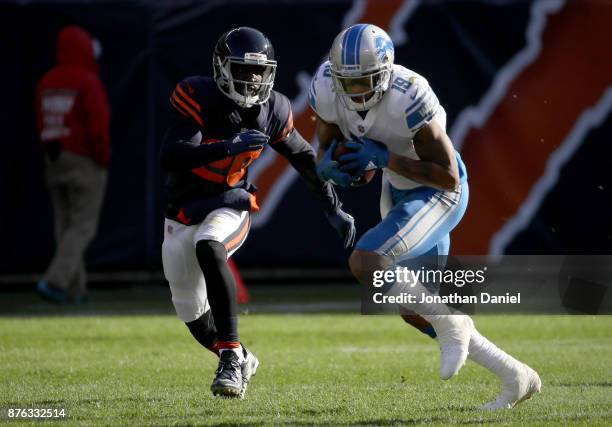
201 107
199 171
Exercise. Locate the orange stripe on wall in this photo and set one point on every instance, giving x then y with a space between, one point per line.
508 154
380 13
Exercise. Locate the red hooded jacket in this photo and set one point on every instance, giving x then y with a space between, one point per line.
71 103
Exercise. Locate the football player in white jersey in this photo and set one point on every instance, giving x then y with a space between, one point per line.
394 122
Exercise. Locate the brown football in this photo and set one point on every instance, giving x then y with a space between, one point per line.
367 176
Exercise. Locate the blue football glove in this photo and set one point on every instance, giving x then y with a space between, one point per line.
344 225
367 154
250 140
327 169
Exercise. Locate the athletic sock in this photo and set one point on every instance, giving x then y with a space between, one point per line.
234 346
481 350
488 355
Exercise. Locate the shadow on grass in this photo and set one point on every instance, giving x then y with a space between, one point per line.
157 300
112 302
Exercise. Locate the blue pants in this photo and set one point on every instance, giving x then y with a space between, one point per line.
418 223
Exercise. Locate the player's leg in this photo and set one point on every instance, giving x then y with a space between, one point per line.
204 331
220 235
519 381
189 296
184 275
418 217
216 239
429 241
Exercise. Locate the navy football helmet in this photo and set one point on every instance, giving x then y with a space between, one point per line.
244 66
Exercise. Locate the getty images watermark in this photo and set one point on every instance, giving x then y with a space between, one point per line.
521 284
403 285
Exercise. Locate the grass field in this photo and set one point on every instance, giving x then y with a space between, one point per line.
315 368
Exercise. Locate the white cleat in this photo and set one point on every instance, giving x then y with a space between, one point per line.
454 333
249 367
525 384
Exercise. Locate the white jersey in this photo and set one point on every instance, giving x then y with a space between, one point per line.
407 106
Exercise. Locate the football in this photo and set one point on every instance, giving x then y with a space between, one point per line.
366 177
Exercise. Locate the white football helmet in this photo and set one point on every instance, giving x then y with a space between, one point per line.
361 65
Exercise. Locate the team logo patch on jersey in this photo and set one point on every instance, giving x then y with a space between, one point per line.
361 129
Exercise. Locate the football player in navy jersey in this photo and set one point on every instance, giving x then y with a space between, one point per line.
220 126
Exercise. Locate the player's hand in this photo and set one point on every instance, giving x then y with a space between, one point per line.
367 154
344 225
250 140
327 169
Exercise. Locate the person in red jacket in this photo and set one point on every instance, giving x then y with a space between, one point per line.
73 125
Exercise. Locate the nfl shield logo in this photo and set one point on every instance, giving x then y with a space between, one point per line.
361 129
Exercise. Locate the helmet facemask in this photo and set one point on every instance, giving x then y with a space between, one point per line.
248 81
361 91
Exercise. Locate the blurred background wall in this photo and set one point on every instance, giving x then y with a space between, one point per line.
527 87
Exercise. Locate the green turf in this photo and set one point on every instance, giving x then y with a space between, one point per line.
318 368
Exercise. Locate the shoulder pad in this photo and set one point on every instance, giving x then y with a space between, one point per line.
188 95
412 97
320 96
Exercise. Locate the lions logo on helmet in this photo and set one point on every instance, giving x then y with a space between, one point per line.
361 60
384 48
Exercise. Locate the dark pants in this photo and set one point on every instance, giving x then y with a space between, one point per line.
76 185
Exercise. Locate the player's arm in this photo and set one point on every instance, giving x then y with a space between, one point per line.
181 148
437 166
327 167
301 156
290 144
326 134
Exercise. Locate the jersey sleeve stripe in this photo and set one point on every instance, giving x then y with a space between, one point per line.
186 109
182 94
178 108
286 130
416 119
420 101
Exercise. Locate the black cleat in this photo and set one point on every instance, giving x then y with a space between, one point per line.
228 379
